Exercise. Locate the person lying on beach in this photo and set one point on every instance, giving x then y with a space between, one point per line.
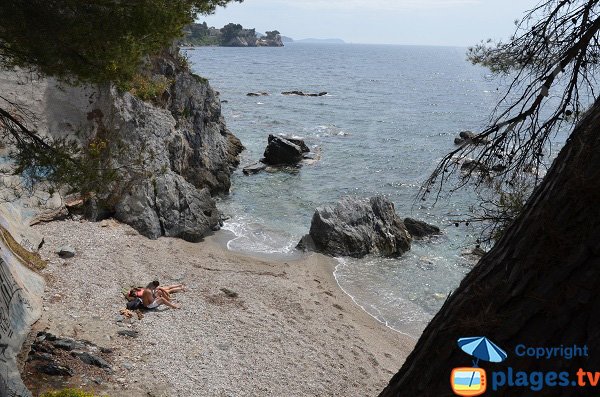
165 292
151 300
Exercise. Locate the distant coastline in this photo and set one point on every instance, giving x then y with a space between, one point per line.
235 35
230 35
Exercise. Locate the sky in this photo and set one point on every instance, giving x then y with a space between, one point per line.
417 22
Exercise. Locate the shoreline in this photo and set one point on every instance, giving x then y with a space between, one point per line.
292 330
223 237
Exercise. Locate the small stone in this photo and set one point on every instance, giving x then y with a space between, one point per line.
90 359
229 293
55 370
128 366
128 332
254 168
67 344
40 356
66 252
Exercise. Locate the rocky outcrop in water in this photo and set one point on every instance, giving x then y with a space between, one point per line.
357 227
300 93
420 229
282 150
469 138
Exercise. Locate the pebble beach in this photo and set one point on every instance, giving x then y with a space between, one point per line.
247 326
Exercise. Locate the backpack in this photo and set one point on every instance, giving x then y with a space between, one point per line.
135 304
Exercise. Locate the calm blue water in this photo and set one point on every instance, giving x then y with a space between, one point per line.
391 114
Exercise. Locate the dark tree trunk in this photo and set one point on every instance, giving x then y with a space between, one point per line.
538 286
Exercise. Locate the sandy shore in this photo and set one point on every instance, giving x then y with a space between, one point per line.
291 331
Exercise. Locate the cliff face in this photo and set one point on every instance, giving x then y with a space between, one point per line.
171 156
190 156
20 297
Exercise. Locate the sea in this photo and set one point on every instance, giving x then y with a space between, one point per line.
390 114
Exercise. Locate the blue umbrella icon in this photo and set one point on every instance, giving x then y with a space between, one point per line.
482 348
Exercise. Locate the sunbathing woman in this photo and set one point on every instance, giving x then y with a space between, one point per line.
165 292
149 300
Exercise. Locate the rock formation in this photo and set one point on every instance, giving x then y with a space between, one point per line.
469 138
419 229
283 150
21 289
357 227
301 93
172 154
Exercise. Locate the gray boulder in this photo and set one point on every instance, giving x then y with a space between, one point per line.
91 359
467 135
356 227
282 151
470 165
419 229
254 168
169 206
470 138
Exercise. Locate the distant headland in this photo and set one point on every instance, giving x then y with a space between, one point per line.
230 35
235 35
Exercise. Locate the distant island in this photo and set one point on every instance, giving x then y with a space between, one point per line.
230 35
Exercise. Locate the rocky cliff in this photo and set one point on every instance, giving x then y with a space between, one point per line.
171 154
21 289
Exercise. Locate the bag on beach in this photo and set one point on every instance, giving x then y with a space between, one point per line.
135 304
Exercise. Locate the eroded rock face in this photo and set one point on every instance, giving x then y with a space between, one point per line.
357 227
20 307
169 206
172 154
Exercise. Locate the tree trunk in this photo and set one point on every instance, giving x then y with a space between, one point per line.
538 286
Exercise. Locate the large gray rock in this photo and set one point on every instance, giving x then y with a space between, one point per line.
169 206
356 227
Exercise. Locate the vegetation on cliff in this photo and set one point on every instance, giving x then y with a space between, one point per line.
85 42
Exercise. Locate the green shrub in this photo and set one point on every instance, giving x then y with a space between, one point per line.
146 88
